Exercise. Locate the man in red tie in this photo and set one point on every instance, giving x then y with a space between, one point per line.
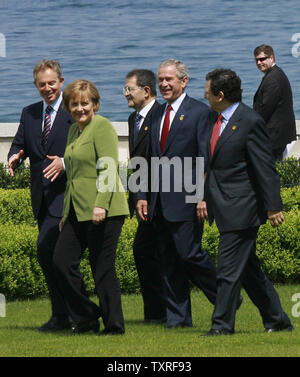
242 191
179 132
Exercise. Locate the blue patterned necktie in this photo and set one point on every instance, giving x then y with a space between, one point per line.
47 126
137 123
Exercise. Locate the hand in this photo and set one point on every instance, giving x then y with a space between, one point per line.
276 218
142 209
53 170
202 211
99 215
13 162
61 225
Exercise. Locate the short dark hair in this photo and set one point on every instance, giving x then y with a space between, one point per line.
144 77
268 50
44 64
226 81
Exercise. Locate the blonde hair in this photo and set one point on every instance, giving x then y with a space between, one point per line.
81 87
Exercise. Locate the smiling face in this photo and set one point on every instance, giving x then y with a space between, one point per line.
170 85
49 85
82 109
264 62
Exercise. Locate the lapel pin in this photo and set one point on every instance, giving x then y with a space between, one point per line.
234 128
181 117
146 128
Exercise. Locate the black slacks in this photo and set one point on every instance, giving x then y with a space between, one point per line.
101 240
48 235
148 265
183 260
239 265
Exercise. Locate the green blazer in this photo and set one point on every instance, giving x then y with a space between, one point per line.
91 161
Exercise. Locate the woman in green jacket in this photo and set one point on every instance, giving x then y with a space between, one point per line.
94 210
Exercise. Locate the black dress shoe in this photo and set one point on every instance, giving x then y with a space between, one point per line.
83 327
56 323
216 332
280 328
112 332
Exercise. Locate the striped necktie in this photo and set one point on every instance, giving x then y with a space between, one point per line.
137 123
47 126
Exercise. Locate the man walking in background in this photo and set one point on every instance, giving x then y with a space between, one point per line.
140 92
42 136
274 101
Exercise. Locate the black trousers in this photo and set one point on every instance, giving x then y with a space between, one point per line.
148 265
183 260
239 265
101 240
48 235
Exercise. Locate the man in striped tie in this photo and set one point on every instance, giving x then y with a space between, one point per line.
140 92
42 136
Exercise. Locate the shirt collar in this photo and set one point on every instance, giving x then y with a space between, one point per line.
55 105
227 113
146 109
176 104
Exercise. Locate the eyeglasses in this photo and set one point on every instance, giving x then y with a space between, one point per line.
128 89
261 59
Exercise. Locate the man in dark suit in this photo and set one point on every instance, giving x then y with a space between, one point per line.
42 136
179 130
242 191
273 100
140 92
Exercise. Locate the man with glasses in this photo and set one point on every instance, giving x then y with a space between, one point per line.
140 92
274 101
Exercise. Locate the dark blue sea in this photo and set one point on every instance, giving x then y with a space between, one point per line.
102 40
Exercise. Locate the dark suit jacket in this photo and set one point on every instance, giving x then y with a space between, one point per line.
187 138
139 147
242 182
274 102
29 138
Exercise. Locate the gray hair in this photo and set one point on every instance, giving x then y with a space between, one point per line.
181 68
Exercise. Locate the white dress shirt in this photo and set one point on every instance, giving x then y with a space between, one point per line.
175 106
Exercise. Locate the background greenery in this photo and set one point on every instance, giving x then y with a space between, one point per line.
21 276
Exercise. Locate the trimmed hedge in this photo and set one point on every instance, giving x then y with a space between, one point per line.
21 276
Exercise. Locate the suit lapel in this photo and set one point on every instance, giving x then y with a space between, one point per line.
155 129
143 130
36 126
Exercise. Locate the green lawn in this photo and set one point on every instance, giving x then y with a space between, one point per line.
19 336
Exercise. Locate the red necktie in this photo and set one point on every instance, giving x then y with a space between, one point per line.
165 129
215 134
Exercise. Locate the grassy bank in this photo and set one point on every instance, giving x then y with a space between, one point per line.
19 337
